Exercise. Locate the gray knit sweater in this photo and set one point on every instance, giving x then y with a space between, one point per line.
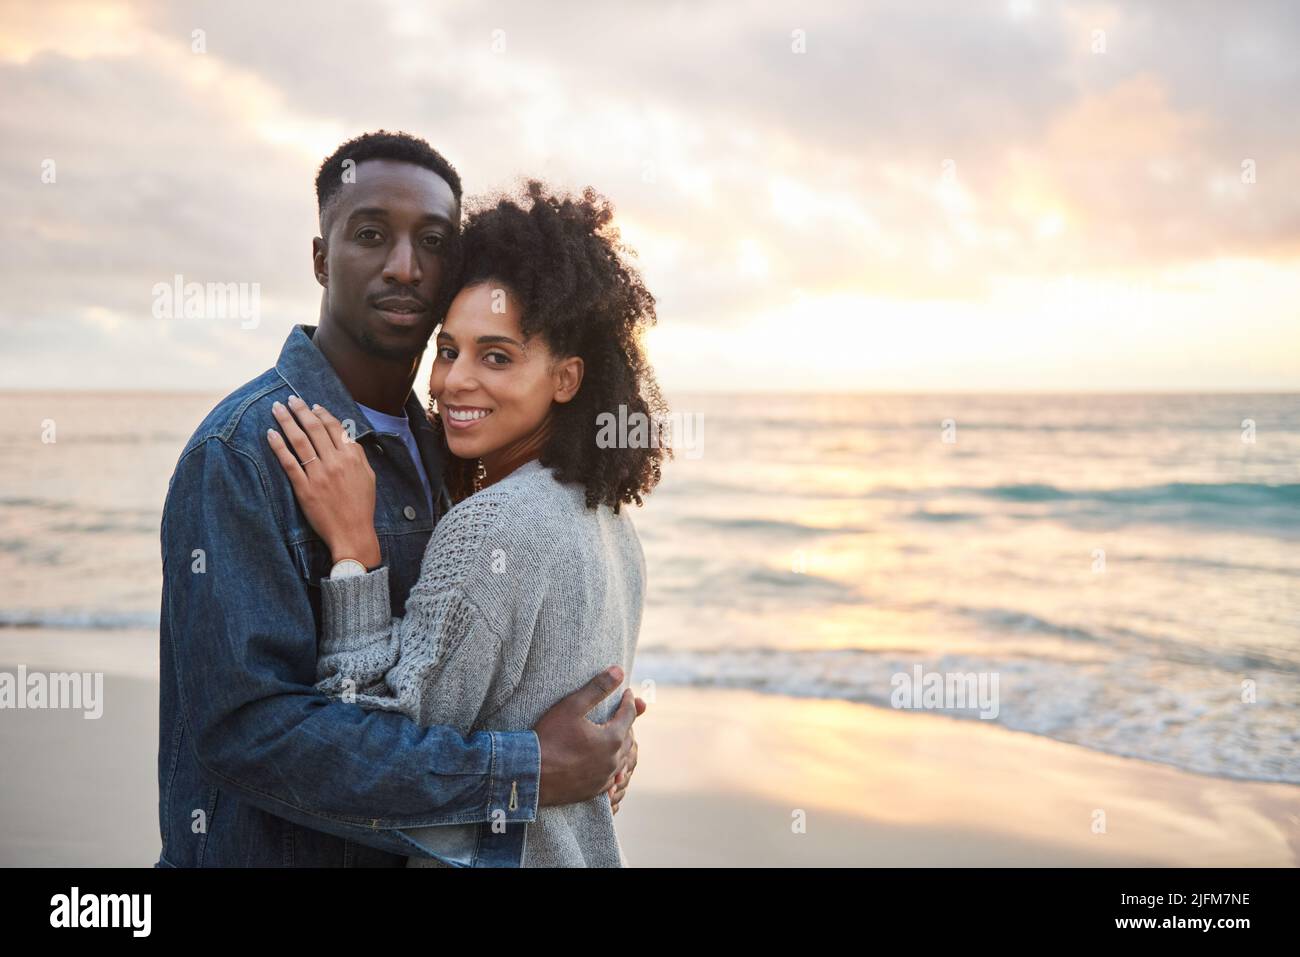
524 595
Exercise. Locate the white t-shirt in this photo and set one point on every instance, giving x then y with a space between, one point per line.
383 422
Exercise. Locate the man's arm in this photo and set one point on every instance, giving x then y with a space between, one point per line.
244 643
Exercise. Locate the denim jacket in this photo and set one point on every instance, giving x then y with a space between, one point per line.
255 766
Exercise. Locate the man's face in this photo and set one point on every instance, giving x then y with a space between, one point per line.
385 255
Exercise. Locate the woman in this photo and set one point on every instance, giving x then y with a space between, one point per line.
534 580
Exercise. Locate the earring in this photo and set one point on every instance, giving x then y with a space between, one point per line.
480 475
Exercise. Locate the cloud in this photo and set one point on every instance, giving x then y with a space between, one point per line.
923 153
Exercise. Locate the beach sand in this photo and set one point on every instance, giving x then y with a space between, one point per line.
723 777
721 773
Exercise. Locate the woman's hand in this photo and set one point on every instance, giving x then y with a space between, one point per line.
336 486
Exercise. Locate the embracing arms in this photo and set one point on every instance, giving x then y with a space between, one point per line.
242 636
388 662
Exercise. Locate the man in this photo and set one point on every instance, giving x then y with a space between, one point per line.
255 767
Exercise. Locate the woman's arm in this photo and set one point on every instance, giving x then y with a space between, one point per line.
435 664
444 659
354 658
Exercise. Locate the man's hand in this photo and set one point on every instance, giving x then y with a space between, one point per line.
581 759
625 775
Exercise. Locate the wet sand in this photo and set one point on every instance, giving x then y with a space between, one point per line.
725 778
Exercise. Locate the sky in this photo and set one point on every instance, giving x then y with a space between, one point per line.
892 196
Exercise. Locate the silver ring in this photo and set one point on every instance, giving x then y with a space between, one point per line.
310 460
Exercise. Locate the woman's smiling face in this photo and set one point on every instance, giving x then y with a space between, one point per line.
494 388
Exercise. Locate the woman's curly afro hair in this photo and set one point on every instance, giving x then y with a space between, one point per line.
562 260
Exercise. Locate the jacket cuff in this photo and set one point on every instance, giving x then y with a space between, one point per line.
516 775
355 610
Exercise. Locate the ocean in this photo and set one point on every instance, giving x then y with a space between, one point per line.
1126 566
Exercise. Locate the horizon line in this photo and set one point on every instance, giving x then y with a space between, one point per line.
745 392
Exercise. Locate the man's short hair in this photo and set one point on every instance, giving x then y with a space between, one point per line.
401 147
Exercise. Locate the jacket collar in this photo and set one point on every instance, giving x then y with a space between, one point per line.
309 374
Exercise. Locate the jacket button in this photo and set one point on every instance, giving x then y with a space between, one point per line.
409 512
379 449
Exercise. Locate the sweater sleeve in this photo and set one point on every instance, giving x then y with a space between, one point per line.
434 664
360 638
443 660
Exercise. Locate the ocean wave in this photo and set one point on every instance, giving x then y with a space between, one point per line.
1234 494
1279 499
177 439
1012 622
1215 564
1258 508
812 421
697 584
73 620
22 501
64 505
1022 622
108 523
925 515
768 525
1130 705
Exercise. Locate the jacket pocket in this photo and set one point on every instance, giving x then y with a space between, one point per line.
209 822
313 560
